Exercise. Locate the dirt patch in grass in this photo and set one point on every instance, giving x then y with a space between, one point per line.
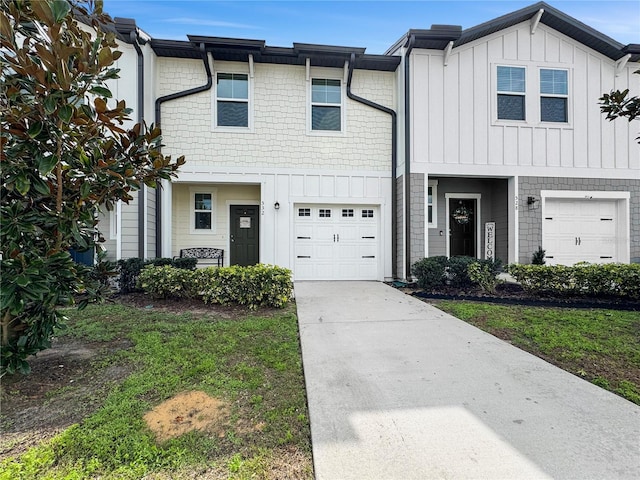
64 386
186 412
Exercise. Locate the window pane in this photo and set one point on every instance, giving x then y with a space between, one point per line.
325 118
553 82
325 91
203 221
511 107
511 79
233 85
430 214
430 195
553 109
233 114
203 201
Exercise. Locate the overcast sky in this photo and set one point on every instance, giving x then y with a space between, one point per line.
375 25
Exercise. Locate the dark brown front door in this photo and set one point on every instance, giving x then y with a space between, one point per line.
245 234
462 227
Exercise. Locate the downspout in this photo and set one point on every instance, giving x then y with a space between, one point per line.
407 157
158 112
394 158
133 35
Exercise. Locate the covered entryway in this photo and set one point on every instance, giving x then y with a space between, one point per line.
336 242
244 238
583 229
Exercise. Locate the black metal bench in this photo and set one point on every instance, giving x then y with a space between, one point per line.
204 253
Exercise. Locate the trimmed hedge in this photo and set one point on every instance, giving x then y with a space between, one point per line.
130 269
433 272
610 279
253 286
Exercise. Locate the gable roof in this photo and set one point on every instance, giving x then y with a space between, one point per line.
551 17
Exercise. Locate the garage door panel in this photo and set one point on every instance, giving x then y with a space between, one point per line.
580 230
336 242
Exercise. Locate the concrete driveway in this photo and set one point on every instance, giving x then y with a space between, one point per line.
400 390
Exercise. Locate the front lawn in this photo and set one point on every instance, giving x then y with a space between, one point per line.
602 346
133 392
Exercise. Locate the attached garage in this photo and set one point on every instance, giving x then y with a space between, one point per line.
585 227
336 242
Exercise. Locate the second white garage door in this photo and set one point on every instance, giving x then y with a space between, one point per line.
336 242
577 230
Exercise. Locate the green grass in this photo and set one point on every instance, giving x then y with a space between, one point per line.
602 346
253 364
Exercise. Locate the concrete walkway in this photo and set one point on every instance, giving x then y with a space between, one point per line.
399 390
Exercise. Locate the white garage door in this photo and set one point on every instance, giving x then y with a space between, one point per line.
336 242
580 231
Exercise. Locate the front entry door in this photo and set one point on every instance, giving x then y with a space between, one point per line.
245 234
462 227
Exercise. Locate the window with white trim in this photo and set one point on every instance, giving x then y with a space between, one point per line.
554 95
232 100
202 210
511 88
326 105
432 204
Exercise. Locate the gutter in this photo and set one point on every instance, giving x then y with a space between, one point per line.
133 36
158 112
407 157
394 159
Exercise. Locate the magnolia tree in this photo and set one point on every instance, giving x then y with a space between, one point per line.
66 156
619 104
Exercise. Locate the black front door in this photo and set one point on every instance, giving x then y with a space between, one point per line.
462 227
245 234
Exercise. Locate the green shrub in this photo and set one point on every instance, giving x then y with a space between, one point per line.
167 281
457 272
131 267
484 273
585 279
253 286
538 257
430 271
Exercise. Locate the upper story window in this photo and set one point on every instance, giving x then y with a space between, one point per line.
232 100
326 104
554 93
511 93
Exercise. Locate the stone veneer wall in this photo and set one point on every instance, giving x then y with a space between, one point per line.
530 221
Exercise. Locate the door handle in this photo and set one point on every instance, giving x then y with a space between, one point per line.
338 235
334 237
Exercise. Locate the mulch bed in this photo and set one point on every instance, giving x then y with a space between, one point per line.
513 294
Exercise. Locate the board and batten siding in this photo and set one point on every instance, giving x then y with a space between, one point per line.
454 110
278 103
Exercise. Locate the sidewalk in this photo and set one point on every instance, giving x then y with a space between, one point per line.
400 390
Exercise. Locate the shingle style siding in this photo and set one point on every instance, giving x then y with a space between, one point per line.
530 220
279 106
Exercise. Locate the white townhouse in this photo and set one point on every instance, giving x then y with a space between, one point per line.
289 154
487 142
504 148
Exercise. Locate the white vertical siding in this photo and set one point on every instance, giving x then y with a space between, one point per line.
456 105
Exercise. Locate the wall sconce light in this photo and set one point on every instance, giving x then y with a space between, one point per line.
533 202
276 205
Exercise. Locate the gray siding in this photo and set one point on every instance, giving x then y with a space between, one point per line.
130 228
530 220
151 222
399 233
417 217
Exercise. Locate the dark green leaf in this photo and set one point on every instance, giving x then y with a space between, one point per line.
46 164
49 105
85 190
34 129
22 280
65 112
60 9
103 92
22 184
